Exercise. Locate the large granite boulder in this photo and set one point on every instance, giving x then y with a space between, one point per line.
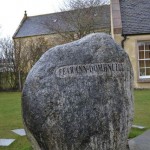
78 96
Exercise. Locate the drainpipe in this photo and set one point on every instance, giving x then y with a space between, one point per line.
123 41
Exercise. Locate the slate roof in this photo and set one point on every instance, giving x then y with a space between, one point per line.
35 25
135 15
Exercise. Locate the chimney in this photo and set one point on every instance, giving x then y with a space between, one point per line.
116 23
25 14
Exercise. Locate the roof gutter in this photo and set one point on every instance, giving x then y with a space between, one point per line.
123 41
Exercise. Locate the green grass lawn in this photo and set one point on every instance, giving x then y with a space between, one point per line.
10 117
142 111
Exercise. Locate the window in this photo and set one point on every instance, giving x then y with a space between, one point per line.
144 59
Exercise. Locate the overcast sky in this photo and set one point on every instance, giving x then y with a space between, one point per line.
12 11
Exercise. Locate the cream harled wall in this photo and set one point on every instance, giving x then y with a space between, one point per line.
130 46
132 49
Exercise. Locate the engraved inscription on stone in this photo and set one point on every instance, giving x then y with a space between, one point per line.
90 70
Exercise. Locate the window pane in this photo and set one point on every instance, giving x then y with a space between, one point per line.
141 47
147 54
141 55
148 71
141 63
142 72
147 63
144 59
147 46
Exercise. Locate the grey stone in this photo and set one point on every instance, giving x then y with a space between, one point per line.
20 132
141 142
78 96
6 142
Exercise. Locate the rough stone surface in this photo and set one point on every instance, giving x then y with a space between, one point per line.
78 96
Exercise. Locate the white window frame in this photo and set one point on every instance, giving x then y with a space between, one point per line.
144 59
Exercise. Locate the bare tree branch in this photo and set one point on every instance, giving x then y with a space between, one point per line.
81 4
81 19
6 63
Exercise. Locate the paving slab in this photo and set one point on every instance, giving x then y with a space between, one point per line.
6 142
141 142
137 126
20 132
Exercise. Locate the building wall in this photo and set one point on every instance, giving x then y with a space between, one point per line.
29 49
130 46
23 46
53 39
116 23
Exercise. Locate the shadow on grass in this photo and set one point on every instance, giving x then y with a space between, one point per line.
136 132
